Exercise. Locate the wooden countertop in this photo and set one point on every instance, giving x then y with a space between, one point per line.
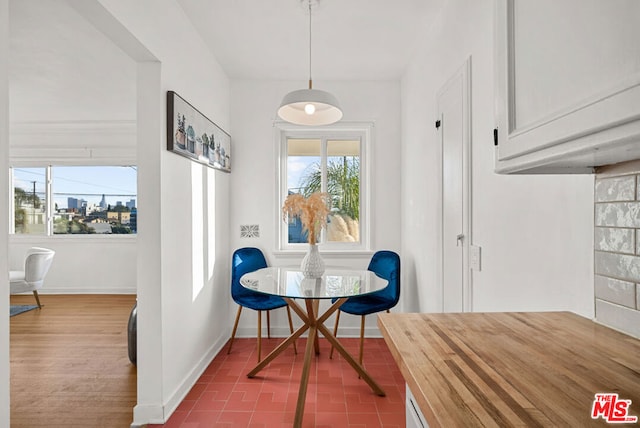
512 369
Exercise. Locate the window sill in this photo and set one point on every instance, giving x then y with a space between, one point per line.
41 239
328 254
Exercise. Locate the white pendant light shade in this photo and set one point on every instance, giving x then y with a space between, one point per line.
310 107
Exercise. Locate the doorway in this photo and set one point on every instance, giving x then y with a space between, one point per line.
72 98
148 96
453 125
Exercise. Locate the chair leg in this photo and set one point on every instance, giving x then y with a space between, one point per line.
295 349
361 339
268 325
235 327
259 334
35 294
335 331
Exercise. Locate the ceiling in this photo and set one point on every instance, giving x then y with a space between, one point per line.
56 56
351 39
62 68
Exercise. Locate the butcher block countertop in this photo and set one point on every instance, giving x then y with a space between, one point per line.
512 369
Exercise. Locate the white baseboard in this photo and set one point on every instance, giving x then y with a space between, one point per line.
178 395
160 414
119 290
150 414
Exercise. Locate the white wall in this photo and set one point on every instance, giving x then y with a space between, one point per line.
4 215
184 310
83 265
253 111
535 231
194 256
73 102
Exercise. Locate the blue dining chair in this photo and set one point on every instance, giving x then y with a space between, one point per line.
385 264
246 260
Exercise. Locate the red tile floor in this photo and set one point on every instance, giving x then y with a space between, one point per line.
225 397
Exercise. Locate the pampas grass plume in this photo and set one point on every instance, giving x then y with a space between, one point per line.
313 211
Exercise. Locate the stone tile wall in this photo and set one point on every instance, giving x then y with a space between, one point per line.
617 247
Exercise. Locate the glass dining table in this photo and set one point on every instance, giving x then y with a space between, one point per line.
335 284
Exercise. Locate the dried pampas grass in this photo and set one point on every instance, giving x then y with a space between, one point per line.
313 212
342 228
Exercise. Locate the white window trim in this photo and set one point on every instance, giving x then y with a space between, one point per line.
340 130
47 189
50 204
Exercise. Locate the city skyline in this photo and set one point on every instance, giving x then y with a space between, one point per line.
116 183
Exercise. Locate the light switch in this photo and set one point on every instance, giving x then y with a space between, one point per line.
475 257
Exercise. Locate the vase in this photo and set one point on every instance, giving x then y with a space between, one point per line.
312 265
132 334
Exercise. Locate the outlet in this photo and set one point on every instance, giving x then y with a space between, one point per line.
475 257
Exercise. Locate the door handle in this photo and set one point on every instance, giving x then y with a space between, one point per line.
459 239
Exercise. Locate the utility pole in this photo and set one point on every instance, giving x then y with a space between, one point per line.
33 203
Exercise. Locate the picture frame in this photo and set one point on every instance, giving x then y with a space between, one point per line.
192 135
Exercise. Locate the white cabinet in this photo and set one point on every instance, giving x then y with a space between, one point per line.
415 418
567 84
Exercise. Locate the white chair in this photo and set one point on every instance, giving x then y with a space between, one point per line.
36 265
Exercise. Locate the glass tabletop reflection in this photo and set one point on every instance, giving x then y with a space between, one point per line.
334 283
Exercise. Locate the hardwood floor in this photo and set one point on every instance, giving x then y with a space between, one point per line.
69 362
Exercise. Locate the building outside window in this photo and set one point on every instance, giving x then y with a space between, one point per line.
86 200
30 201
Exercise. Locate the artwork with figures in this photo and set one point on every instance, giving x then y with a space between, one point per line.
193 135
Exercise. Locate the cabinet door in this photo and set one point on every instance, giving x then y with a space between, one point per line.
567 81
414 417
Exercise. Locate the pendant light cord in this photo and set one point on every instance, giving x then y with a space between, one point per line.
310 79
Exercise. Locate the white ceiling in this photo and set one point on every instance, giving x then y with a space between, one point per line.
62 68
351 39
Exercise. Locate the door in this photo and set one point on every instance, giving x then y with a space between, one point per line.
453 128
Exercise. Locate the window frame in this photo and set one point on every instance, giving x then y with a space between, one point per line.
48 167
340 131
47 209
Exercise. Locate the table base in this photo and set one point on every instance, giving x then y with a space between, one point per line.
314 324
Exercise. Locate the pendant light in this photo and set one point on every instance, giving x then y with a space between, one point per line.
310 106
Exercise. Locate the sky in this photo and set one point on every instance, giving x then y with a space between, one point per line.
117 183
297 167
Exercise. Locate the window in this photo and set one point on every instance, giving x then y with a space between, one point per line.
78 200
331 161
30 201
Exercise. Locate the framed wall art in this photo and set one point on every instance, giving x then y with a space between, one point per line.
191 134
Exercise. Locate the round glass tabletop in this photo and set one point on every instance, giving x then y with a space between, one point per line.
334 283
